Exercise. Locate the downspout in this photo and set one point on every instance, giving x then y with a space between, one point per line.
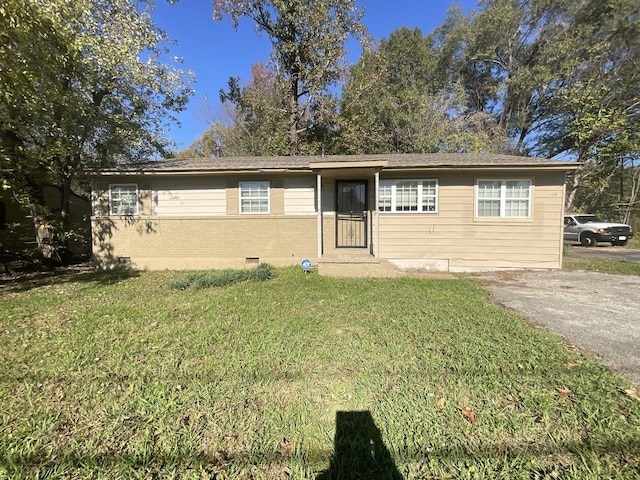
563 211
320 214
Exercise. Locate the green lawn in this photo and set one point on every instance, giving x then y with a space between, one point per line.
301 376
573 259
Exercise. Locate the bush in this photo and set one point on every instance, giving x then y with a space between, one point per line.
221 278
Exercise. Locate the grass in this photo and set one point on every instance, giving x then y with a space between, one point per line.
301 376
573 260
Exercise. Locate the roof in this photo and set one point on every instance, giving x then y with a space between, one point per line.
309 163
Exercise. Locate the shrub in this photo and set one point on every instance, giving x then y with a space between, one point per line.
221 278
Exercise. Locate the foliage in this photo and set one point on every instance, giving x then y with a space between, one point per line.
83 85
506 57
561 77
603 94
117 376
395 101
213 279
308 46
259 115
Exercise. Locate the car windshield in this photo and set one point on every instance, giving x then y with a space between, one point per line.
587 219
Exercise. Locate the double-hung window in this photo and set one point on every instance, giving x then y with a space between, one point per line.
254 197
504 198
123 199
408 196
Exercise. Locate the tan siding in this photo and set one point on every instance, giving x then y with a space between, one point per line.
276 197
232 198
328 195
299 196
191 197
468 242
145 198
100 198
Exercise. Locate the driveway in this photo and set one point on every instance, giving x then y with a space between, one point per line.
598 312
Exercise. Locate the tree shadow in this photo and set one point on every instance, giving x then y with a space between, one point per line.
103 230
31 276
359 451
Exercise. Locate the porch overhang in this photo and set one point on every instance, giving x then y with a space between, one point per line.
375 164
348 170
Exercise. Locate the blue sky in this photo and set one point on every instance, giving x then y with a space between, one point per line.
216 51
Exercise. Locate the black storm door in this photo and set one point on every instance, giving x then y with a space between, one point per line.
351 214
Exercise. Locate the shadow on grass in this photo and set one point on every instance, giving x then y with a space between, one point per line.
40 277
358 450
359 454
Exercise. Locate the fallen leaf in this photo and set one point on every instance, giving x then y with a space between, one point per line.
571 365
469 414
564 392
440 402
544 418
634 393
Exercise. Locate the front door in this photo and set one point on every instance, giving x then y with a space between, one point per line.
351 214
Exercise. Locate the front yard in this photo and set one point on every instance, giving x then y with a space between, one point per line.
120 376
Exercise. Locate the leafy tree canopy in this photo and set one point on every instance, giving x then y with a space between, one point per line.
308 40
83 84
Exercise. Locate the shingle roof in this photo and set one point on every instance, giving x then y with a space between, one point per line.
428 160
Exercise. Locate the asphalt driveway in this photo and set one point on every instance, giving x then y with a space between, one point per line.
595 311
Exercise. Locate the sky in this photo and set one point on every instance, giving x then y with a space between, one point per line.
215 51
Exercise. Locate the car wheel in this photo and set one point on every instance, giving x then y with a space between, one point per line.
620 243
588 240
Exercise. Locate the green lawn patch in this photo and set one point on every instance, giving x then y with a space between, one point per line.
116 376
575 261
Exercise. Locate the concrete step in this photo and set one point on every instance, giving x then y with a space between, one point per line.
357 267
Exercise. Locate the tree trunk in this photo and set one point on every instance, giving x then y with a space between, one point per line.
572 189
293 125
65 207
42 230
633 195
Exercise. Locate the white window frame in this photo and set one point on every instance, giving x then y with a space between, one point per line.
246 186
111 199
388 195
503 199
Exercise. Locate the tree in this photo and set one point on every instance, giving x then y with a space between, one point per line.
83 85
560 76
259 117
251 119
308 47
396 101
506 57
596 109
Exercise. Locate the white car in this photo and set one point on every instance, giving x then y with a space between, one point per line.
589 230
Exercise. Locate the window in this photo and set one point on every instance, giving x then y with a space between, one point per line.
408 196
504 198
123 199
254 197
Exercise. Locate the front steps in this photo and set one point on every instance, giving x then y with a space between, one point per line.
357 265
